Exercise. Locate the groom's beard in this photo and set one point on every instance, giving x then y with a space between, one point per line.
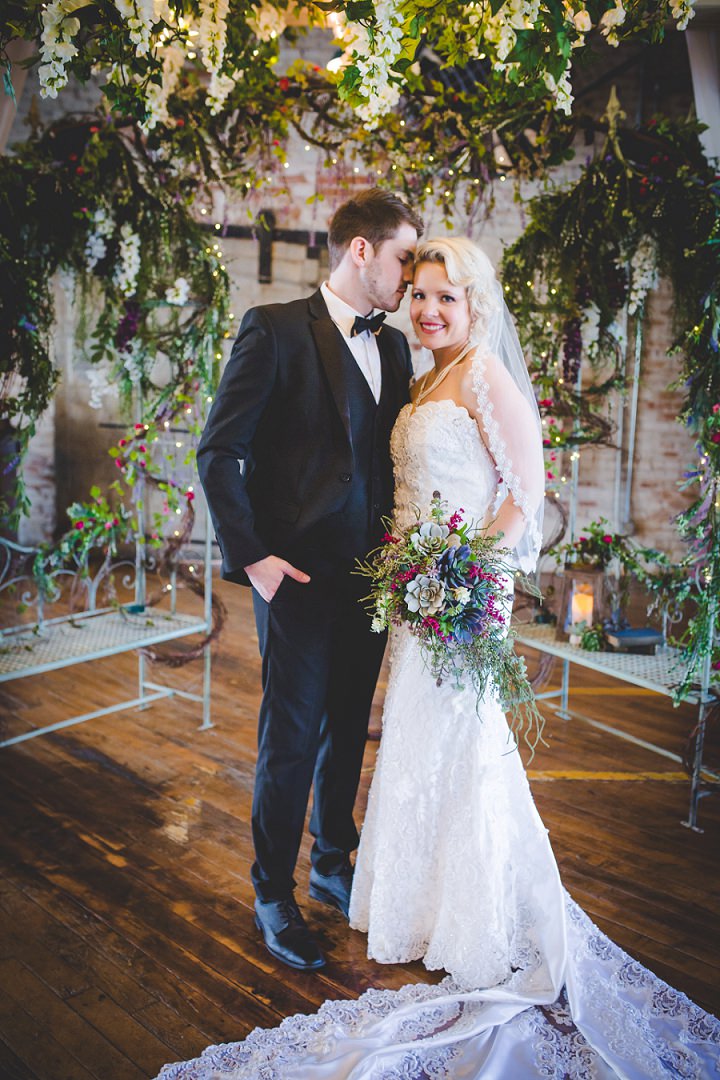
379 291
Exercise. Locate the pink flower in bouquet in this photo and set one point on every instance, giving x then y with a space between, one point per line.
607 539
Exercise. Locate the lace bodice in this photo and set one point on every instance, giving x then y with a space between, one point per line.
437 447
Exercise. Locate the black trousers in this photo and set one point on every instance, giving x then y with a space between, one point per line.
320 663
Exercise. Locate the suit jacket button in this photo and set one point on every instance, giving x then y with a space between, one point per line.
346 477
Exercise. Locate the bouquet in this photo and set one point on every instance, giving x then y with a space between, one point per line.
450 584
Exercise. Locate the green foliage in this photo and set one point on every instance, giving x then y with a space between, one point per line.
579 254
51 191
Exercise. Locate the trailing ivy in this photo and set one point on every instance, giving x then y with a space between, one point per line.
648 203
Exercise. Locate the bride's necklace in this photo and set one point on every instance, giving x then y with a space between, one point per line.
425 391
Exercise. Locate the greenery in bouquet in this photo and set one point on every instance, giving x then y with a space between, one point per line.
450 582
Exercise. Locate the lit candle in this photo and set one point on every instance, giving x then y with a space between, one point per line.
582 607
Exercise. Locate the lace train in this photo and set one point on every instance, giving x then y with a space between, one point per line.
613 1019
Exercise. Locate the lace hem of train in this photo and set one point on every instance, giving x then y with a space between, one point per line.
613 1019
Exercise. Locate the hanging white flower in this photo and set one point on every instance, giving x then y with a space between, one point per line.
95 250
134 361
179 292
128 267
101 383
609 21
213 33
683 11
156 97
643 274
501 29
562 90
582 21
219 88
374 59
57 47
589 327
139 15
96 246
267 22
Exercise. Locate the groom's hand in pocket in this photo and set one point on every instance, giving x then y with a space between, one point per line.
267 574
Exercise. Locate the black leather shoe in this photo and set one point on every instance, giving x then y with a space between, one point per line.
286 935
332 889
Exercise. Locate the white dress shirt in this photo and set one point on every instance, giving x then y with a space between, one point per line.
364 347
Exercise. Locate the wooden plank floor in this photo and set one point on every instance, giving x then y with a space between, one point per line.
126 935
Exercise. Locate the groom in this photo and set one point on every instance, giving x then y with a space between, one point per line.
296 468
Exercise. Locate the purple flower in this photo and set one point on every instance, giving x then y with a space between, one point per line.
572 350
128 326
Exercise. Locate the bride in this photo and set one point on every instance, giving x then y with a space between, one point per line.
454 864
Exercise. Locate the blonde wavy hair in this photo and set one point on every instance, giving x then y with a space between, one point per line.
468 267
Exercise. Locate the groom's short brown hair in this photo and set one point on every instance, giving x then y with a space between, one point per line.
375 215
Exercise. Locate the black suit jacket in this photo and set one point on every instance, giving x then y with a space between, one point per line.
276 455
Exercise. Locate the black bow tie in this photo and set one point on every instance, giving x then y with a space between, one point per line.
373 325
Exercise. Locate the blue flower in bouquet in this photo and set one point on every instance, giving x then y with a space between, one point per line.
467 623
453 566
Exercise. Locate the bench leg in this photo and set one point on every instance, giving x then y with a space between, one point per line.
141 679
207 673
565 692
696 791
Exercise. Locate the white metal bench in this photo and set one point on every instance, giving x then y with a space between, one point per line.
661 673
39 644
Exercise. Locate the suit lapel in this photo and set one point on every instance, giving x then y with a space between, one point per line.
391 369
329 343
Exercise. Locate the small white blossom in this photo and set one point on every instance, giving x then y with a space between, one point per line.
133 361
643 274
374 60
96 246
562 90
101 384
267 22
178 292
611 19
95 250
128 268
582 21
213 33
156 97
682 11
462 595
219 88
57 47
139 16
589 328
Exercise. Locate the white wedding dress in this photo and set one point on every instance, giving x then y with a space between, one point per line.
455 867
